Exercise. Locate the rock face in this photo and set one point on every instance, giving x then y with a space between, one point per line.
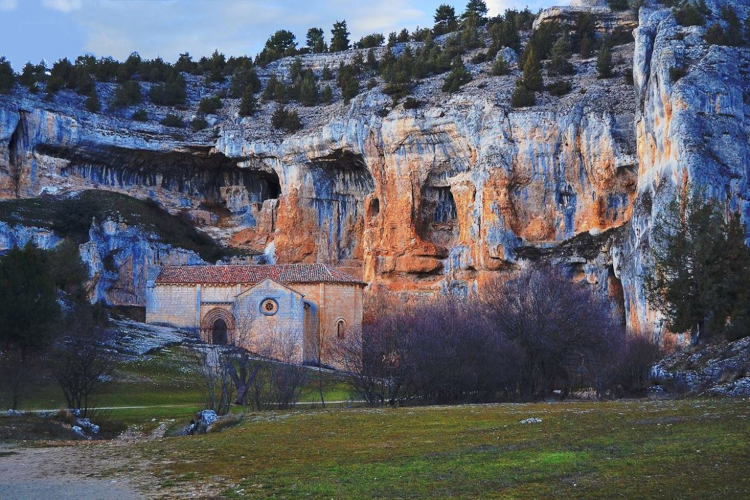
435 199
692 134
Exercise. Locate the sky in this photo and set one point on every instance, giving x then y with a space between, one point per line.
32 30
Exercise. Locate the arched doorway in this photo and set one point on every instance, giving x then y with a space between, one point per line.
219 332
217 326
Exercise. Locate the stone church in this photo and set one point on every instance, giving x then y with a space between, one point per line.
289 312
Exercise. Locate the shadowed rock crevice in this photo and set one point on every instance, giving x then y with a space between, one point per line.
15 152
195 175
438 220
336 186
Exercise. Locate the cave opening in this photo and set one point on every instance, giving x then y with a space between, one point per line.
374 209
336 186
189 174
438 216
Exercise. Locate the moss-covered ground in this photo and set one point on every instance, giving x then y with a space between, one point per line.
627 449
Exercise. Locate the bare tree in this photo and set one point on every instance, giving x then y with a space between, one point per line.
563 333
80 360
210 363
270 376
372 361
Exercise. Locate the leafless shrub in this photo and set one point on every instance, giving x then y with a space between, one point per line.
523 339
629 371
562 333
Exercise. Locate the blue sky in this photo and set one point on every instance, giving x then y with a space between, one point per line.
51 29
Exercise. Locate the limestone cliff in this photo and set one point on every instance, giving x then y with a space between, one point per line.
692 133
432 199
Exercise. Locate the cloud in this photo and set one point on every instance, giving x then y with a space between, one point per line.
63 5
499 6
8 4
235 27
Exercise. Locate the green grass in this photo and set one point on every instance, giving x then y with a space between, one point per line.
160 382
631 449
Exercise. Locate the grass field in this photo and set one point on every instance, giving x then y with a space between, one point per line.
162 384
629 449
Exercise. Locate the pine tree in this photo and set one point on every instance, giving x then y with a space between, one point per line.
701 263
476 9
241 78
522 97
7 78
604 62
445 20
326 96
532 72
92 101
315 41
308 94
249 104
561 53
458 76
340 37
500 67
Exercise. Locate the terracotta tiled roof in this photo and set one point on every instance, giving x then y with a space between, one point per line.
248 275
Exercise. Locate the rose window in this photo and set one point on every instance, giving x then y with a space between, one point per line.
269 307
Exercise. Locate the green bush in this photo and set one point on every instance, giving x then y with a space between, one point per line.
326 95
560 88
198 123
730 36
676 74
458 77
249 104
500 67
522 97
92 102
532 72
619 5
210 105
140 116
348 82
173 120
604 62
172 93
370 41
241 79
412 103
691 14
287 120
308 90
127 94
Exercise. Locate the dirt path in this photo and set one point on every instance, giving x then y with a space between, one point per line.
72 471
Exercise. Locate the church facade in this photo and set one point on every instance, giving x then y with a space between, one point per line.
294 312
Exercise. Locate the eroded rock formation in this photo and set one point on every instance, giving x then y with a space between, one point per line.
428 200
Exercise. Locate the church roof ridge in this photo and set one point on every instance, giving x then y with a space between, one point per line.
253 273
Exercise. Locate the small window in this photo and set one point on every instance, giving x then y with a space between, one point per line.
340 329
269 307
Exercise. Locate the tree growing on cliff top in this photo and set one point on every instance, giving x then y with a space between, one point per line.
6 76
340 37
701 278
445 20
316 41
477 11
